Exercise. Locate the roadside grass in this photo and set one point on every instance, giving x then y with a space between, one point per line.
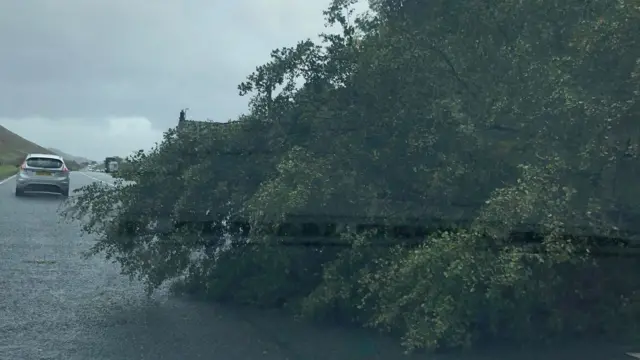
6 171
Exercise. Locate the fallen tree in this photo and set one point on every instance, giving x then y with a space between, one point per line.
465 120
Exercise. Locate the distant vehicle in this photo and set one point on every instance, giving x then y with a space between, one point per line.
108 161
112 166
43 173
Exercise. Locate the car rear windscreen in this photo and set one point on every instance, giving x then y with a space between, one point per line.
44 163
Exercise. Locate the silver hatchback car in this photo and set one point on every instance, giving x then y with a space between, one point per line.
43 173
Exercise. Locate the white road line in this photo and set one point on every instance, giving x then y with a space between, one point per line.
7 179
634 355
96 179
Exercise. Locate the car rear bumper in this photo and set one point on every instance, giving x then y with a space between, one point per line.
31 184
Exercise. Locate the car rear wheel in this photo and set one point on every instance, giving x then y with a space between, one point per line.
19 192
65 193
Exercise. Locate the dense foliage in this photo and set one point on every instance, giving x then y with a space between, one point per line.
473 120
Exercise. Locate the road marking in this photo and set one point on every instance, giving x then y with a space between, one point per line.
96 179
634 355
7 179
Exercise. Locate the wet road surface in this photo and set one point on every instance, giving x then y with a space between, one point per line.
54 304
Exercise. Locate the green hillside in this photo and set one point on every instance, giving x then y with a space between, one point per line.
13 149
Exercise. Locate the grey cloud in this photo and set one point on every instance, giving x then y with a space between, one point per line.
94 59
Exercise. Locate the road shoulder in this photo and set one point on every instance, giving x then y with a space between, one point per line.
7 174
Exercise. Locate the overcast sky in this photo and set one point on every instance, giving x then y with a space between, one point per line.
107 77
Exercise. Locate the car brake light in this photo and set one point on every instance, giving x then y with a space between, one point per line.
64 168
23 166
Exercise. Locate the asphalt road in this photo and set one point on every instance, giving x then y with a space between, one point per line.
54 304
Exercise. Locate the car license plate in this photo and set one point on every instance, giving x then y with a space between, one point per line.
43 173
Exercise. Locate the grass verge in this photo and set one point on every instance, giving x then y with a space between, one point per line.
6 171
